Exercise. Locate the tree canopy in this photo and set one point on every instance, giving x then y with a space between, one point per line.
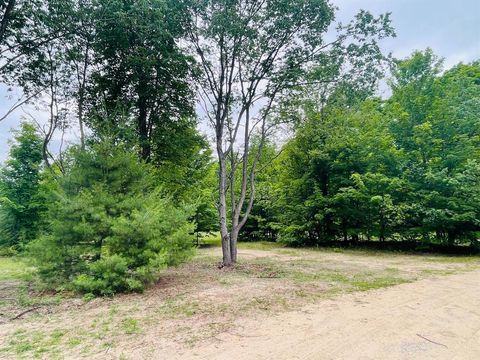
403 168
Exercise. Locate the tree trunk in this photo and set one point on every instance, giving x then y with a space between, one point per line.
222 207
143 129
80 118
450 238
233 243
82 81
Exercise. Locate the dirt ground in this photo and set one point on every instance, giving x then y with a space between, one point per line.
429 319
277 303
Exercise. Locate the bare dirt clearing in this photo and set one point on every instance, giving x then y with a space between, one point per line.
429 319
197 310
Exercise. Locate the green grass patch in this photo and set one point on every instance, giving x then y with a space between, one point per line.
14 268
474 260
179 307
130 326
441 272
260 245
210 240
260 268
320 276
361 283
35 344
289 252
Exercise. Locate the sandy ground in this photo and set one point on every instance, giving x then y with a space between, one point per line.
429 319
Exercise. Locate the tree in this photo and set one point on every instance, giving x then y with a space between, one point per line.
141 75
261 224
444 142
251 54
110 228
7 8
113 66
21 204
39 57
321 196
202 194
404 168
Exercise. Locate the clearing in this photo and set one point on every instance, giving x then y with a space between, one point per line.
277 303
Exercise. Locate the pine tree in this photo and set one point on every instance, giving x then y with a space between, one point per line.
20 205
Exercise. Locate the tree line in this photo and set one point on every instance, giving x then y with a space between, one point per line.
404 168
303 152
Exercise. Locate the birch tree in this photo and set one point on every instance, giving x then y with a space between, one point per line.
252 53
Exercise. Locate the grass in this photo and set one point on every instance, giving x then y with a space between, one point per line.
215 240
24 298
300 271
454 259
179 307
14 269
35 344
365 284
18 290
52 343
260 245
130 326
212 239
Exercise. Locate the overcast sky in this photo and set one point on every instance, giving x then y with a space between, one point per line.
450 27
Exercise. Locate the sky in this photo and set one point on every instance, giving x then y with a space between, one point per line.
450 27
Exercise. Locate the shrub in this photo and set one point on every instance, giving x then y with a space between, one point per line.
108 276
111 228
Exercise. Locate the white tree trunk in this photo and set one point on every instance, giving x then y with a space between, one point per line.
222 208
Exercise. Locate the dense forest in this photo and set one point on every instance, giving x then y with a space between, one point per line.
405 168
300 147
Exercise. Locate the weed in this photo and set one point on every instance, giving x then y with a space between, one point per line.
130 326
26 299
73 342
88 297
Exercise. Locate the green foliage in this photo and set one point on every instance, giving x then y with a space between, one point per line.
261 224
107 276
401 169
111 64
321 197
141 75
203 195
111 228
21 203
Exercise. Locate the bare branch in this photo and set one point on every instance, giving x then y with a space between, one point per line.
20 103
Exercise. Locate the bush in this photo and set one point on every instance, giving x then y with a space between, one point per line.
8 251
108 276
111 228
